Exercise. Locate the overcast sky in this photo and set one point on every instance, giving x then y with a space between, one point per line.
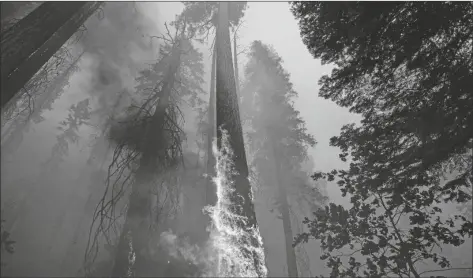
274 24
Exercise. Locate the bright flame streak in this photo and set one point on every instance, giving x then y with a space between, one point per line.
131 255
228 238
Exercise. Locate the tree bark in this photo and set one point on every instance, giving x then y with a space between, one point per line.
15 11
228 119
137 222
211 192
291 261
29 44
235 60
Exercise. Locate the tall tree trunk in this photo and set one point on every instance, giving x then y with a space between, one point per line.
11 11
235 60
211 192
49 94
29 44
228 119
286 218
137 223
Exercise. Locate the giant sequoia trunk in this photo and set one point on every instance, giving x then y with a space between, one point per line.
135 234
29 44
211 193
14 10
286 218
235 60
228 119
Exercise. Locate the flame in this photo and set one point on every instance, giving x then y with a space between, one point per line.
228 239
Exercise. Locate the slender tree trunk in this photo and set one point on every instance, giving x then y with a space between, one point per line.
211 192
286 218
29 44
137 223
228 119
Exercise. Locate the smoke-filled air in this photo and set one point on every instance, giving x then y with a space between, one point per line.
236 139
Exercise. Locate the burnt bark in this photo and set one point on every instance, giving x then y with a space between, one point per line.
137 222
29 44
228 119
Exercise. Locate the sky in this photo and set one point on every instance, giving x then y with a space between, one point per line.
274 24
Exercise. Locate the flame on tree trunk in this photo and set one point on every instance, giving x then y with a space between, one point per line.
228 119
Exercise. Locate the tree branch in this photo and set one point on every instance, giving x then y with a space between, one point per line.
447 269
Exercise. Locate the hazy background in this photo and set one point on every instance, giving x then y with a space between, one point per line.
56 207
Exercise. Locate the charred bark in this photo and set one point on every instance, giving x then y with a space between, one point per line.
228 119
137 222
29 44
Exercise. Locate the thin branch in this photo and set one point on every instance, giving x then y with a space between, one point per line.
447 269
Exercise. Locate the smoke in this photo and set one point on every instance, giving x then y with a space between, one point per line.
203 259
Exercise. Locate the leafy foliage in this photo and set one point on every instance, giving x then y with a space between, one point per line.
407 68
412 84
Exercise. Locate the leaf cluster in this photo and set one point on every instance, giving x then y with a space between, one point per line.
407 69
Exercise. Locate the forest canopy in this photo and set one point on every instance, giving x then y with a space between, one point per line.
407 68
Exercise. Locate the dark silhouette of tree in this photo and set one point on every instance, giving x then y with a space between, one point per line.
30 43
278 139
410 78
148 145
412 85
